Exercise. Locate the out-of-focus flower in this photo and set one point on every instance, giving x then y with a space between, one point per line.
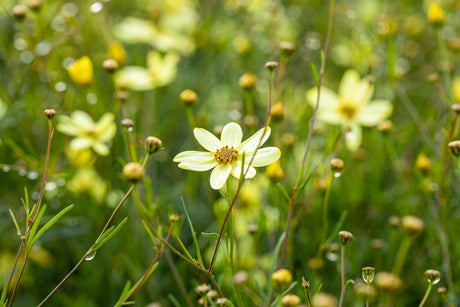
436 15
455 89
226 155
86 132
351 108
87 181
117 52
81 71
3 108
160 71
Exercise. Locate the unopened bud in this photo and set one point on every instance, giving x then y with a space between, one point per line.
454 147
173 218
19 12
240 278
121 96
287 49
110 65
387 281
385 126
274 172
433 276
277 111
127 123
344 237
412 225
133 172
423 163
34 5
271 66
188 97
203 289
368 274
455 107
281 280
337 165
50 113
290 300
152 144
222 301
436 15
248 81
442 290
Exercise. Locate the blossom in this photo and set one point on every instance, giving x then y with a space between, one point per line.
226 155
88 134
351 108
81 71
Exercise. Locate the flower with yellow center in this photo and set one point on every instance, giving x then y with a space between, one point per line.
351 108
226 155
81 71
88 134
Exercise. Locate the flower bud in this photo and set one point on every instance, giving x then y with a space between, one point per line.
442 290
277 111
287 49
394 221
337 165
433 77
455 107
454 44
133 172
117 52
152 144
290 300
240 278
110 65
281 280
203 289
50 113
19 12
271 65
222 301
274 172
423 163
34 5
368 274
323 299
212 294
344 237
121 96
388 282
455 147
127 123
248 81
316 263
385 126
253 228
188 97
173 218
436 15
412 225
433 276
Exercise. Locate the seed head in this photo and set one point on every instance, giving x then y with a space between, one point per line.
344 237
50 113
203 289
433 276
290 300
368 273
133 172
152 144
385 126
271 65
337 165
173 218
287 49
34 5
127 123
281 280
455 147
110 65
277 111
248 81
412 226
188 97
436 15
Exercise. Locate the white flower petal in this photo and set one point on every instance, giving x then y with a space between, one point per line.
101 149
328 100
374 113
264 156
135 78
219 175
197 166
194 156
82 119
66 126
207 139
231 135
353 90
236 170
251 143
353 137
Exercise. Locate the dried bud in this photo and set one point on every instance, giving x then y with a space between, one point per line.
271 66
433 276
188 97
152 144
287 49
240 278
412 225
203 289
442 290
121 96
455 147
385 126
253 228
277 111
423 163
127 123
324 300
110 65
248 81
222 301
281 280
344 237
173 218
19 12
290 300
50 113
368 274
133 172
387 281
337 165
34 5
436 15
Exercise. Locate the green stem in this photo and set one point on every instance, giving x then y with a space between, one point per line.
401 255
325 207
427 293
342 293
444 61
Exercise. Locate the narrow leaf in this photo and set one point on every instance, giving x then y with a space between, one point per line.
198 254
309 175
174 300
108 234
34 228
15 223
185 249
211 235
276 253
315 73
283 192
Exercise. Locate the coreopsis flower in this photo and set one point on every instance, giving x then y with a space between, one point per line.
117 52
351 108
226 155
87 133
81 71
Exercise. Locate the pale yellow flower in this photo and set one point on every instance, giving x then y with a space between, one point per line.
81 71
117 52
160 71
351 108
86 132
87 181
226 155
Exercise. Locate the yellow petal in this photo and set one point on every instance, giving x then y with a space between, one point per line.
353 137
264 156
373 113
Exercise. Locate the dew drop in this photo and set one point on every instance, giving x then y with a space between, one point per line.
337 174
32 175
90 256
50 186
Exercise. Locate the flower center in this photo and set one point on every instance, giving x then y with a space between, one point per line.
347 109
226 155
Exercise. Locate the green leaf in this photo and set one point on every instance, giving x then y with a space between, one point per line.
124 293
276 253
315 73
49 224
349 282
304 183
33 230
15 223
198 253
185 250
211 235
108 234
3 299
173 299
283 192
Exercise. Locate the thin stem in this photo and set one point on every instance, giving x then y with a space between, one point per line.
342 293
325 207
177 277
444 61
190 119
401 255
427 293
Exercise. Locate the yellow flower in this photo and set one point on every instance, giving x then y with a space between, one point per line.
455 89
87 180
160 71
81 71
87 133
117 52
226 155
351 108
436 15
